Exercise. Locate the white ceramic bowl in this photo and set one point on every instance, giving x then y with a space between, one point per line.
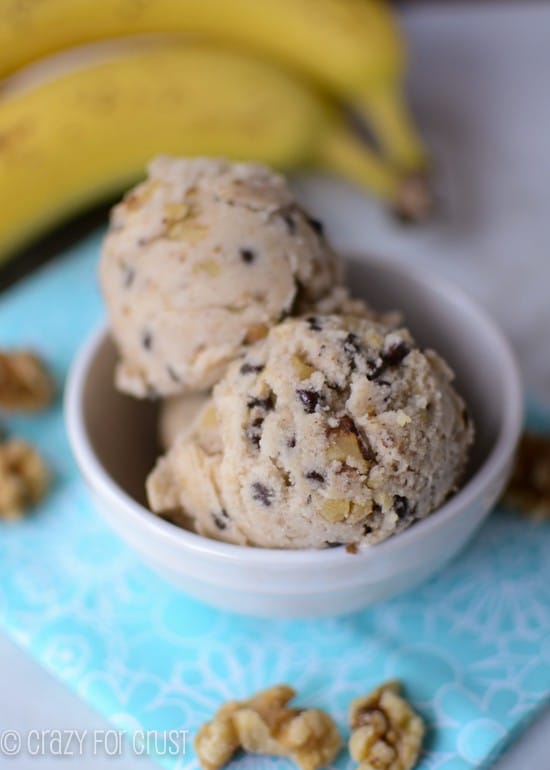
113 439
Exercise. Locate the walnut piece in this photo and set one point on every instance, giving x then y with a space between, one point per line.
386 732
302 369
529 487
217 740
311 738
24 382
346 443
264 724
24 478
344 510
254 333
335 510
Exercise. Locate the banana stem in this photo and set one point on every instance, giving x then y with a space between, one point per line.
384 108
344 153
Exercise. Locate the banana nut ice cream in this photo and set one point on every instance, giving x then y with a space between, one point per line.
200 260
331 430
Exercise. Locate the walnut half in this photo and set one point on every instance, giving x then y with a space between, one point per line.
24 478
24 382
529 487
264 724
386 732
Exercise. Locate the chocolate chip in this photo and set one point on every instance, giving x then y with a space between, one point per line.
345 468
335 386
333 544
254 431
263 494
374 369
316 225
352 343
314 323
173 374
128 275
315 476
247 368
219 519
352 347
351 548
247 255
390 357
310 399
147 340
396 353
291 443
402 507
267 403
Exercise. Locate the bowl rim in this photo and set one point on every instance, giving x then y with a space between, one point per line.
500 454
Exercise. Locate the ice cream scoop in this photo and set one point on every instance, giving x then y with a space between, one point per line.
200 260
332 430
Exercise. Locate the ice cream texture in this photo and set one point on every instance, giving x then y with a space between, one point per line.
332 430
200 260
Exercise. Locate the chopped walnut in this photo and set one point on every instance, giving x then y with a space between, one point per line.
176 212
335 510
23 478
386 733
344 510
264 724
345 442
302 369
208 267
529 487
343 446
254 333
24 382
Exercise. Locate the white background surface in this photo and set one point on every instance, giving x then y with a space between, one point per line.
480 84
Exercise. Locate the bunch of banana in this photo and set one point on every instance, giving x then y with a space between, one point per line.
350 47
89 132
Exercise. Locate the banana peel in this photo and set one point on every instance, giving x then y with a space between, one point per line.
86 135
353 49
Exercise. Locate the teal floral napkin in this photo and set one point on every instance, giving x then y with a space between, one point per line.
472 646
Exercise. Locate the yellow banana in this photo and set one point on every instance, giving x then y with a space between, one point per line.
352 47
89 133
